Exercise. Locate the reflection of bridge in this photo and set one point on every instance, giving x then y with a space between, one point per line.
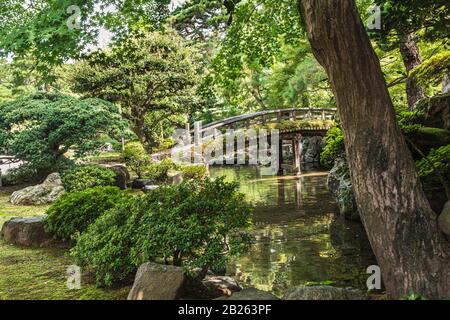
292 124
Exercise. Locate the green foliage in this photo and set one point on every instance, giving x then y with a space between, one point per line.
151 75
432 71
158 171
194 172
51 32
194 224
42 128
136 157
437 160
410 122
290 125
333 148
84 177
73 212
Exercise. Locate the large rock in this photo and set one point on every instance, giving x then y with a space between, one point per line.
324 293
446 84
157 282
142 183
44 193
122 175
340 186
250 294
437 111
427 138
444 219
311 149
28 232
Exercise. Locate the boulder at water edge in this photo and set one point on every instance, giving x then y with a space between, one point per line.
44 193
157 282
324 293
28 232
311 149
444 219
340 186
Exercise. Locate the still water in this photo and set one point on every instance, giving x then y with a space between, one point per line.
298 238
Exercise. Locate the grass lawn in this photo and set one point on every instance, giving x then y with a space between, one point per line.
40 273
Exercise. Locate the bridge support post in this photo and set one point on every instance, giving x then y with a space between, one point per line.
280 158
297 148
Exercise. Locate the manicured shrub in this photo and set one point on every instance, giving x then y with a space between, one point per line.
84 177
73 212
334 147
194 172
194 224
136 158
158 171
52 124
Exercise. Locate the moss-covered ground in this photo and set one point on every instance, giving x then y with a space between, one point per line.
27 273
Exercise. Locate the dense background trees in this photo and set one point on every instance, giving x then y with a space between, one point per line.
42 129
151 76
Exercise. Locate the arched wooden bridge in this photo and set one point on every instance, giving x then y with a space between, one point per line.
292 125
276 117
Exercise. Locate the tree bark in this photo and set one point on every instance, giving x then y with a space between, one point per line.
411 252
411 59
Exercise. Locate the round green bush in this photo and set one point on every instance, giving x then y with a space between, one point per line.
89 176
73 212
158 171
197 224
136 158
194 172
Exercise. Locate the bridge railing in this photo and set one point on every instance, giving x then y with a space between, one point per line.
272 116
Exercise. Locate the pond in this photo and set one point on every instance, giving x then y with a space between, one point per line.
298 238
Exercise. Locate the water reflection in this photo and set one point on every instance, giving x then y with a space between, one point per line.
298 239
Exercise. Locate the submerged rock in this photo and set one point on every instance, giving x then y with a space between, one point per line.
324 293
250 294
29 232
218 286
157 282
44 193
340 186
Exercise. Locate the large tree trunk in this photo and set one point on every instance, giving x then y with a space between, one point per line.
402 228
411 59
